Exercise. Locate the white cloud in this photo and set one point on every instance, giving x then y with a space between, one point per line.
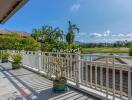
104 34
121 35
118 35
75 7
95 34
129 35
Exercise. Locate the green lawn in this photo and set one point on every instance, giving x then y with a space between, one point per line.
105 50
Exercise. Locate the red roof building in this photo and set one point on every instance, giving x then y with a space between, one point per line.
5 32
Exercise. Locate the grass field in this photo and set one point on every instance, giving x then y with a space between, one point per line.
105 50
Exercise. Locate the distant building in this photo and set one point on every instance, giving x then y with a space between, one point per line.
6 32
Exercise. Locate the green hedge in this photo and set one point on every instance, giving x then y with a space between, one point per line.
14 42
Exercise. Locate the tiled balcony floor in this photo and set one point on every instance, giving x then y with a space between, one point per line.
30 86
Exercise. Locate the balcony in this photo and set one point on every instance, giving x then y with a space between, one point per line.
30 86
89 77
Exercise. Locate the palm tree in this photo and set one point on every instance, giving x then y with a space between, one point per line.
72 28
47 35
51 34
36 33
57 34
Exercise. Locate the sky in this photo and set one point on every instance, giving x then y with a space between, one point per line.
98 20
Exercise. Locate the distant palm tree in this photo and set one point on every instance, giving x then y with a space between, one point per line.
36 33
57 34
72 28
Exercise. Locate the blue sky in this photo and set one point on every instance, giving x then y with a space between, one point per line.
99 20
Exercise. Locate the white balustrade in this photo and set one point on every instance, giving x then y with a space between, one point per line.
98 72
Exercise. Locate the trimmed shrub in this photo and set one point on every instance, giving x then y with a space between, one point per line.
5 55
16 58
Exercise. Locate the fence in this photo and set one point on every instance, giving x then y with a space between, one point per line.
108 75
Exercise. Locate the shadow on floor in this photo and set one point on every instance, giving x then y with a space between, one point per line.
38 87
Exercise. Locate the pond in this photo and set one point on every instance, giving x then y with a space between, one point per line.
87 57
120 54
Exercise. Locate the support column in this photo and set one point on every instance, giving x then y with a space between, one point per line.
39 61
78 70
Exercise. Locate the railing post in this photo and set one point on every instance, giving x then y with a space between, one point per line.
22 54
39 61
129 83
91 71
107 76
113 64
43 62
78 70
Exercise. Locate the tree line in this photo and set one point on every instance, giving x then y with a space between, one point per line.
45 38
115 44
54 39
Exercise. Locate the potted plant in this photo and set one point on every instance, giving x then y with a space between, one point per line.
59 83
4 57
16 64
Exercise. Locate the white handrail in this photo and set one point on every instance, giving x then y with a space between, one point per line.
102 73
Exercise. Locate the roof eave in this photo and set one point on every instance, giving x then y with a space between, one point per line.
23 2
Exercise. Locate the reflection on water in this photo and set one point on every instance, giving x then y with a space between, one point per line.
120 54
87 57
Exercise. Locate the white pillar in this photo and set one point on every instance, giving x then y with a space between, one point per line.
22 54
78 70
39 61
